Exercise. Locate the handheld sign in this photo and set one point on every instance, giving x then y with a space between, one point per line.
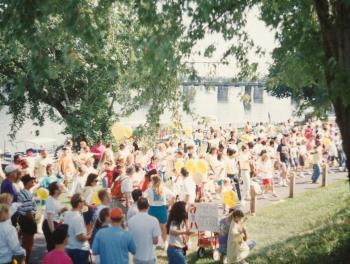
204 217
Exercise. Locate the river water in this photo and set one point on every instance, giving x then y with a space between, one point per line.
221 103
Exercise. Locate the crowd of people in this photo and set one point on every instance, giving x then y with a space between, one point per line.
128 199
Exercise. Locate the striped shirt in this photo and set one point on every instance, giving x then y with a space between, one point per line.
28 203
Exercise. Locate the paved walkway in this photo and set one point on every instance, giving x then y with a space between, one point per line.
302 185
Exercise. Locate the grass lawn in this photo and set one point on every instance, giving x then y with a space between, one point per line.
314 227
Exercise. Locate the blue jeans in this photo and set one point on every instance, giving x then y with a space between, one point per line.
316 172
78 256
176 255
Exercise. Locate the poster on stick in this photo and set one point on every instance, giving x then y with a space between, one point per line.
204 217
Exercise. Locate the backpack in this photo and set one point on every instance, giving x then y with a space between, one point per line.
117 188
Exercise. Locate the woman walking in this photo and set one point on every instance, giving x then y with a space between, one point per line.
159 198
52 213
178 233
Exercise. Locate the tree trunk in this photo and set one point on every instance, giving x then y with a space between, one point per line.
343 120
334 20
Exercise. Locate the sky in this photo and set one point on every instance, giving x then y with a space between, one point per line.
257 30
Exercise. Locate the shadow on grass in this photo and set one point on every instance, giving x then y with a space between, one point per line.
326 245
208 258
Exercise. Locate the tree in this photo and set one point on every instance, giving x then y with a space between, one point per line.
74 62
312 57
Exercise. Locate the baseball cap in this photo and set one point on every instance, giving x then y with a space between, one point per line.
116 213
11 168
27 178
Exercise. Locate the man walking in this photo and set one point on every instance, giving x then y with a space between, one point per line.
145 231
113 244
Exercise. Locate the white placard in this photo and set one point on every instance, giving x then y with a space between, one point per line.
204 217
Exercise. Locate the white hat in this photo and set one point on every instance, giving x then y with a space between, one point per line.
11 168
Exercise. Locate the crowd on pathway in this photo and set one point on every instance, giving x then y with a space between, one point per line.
129 200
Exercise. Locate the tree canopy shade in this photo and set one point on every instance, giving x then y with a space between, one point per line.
74 62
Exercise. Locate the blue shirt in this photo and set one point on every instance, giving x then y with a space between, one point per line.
45 182
7 187
113 244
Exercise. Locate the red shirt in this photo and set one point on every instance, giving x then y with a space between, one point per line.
57 257
109 175
144 185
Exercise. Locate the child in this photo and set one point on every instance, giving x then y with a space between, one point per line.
238 246
58 255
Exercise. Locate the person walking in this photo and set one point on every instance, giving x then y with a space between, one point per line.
53 210
58 255
232 170
88 193
238 245
178 233
10 247
316 155
145 231
78 238
26 218
159 197
121 190
113 244
41 163
7 185
244 160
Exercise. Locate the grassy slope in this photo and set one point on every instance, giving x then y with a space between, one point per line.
314 227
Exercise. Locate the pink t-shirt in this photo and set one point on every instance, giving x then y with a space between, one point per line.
98 150
57 257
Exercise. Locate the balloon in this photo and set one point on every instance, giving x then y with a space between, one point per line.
202 166
127 132
230 199
188 131
326 141
191 166
118 131
42 193
245 138
179 165
95 199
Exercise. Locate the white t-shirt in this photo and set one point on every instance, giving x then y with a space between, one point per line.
97 211
88 193
76 226
54 207
231 166
41 164
31 165
156 200
188 188
9 244
265 168
78 184
143 229
126 186
133 210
